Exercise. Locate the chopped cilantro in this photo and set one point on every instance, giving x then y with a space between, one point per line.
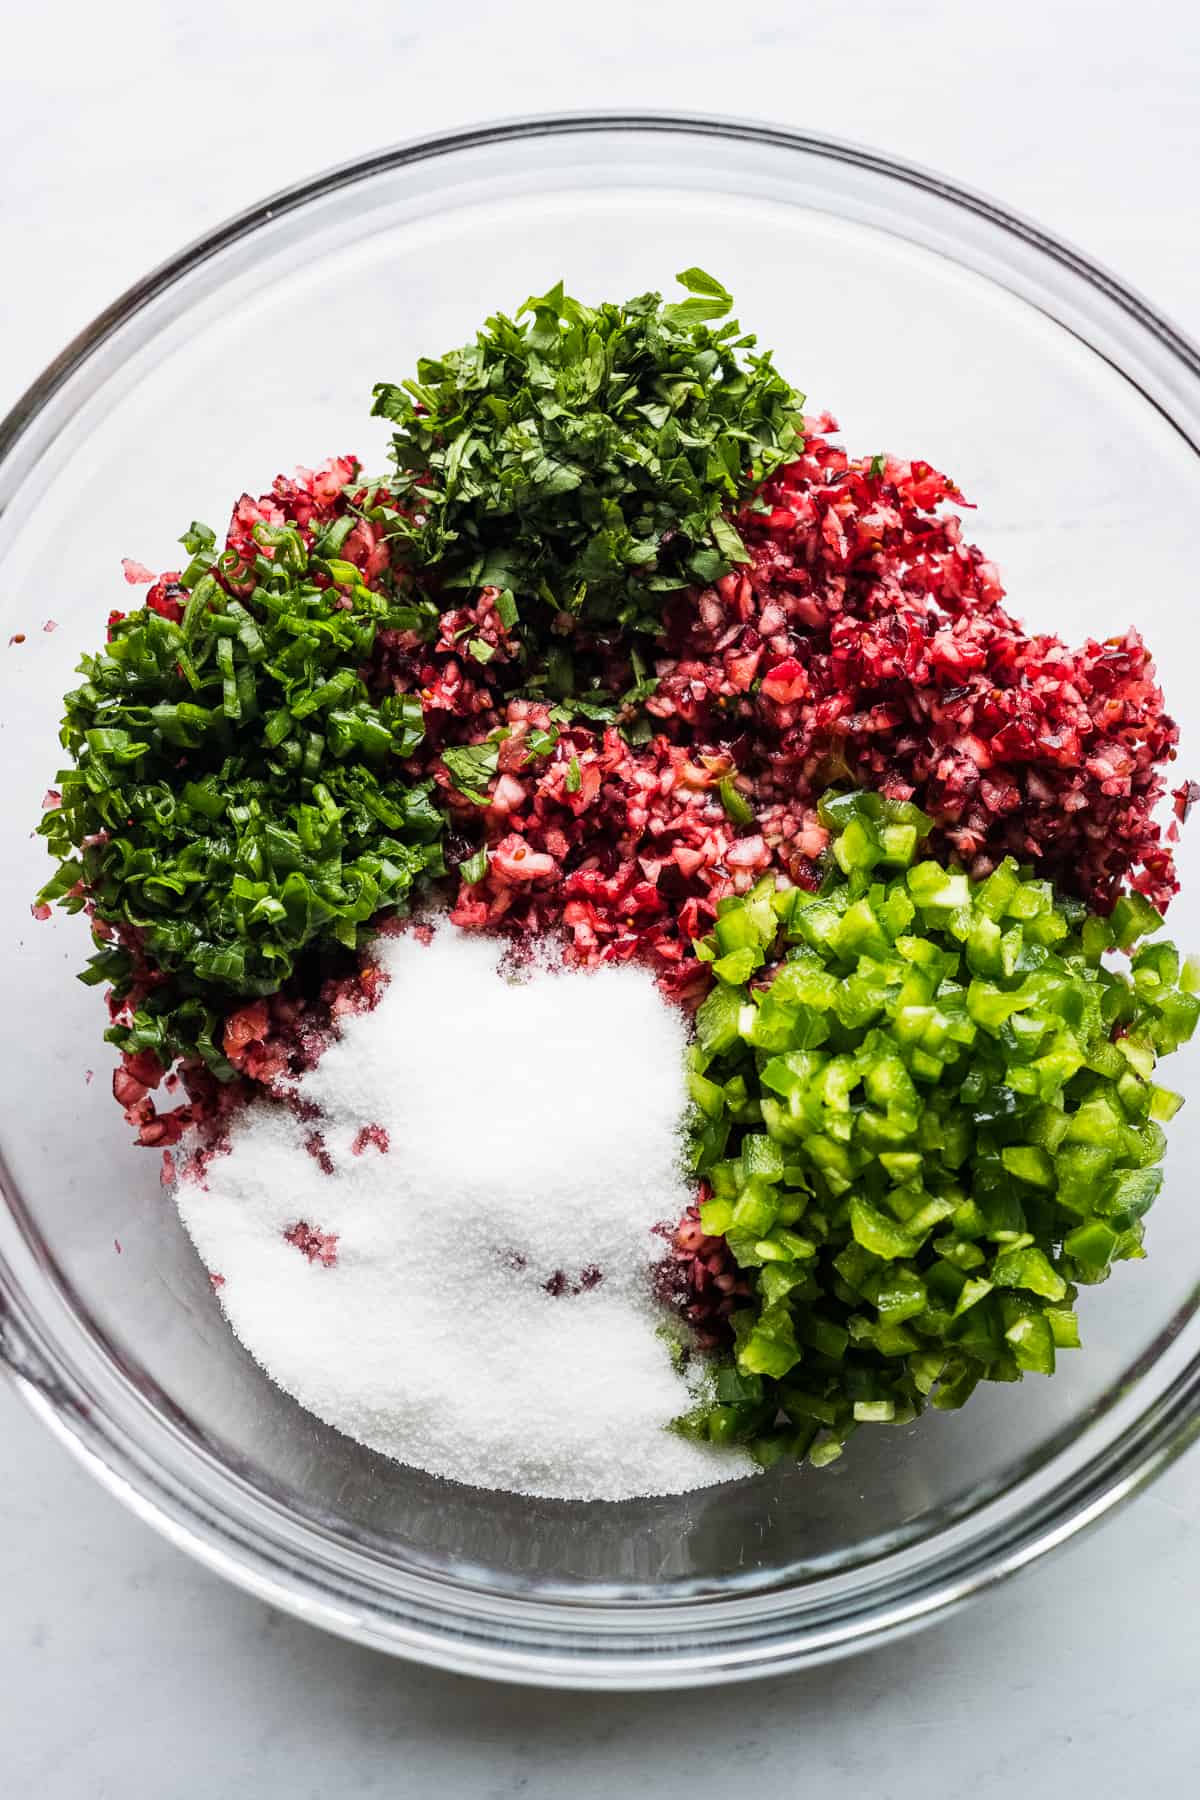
471 767
539 743
581 457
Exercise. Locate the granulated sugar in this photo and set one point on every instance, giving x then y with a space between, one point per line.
467 1291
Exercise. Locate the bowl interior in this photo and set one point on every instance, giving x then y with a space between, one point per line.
264 355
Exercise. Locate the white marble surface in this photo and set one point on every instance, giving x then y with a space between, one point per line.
127 1671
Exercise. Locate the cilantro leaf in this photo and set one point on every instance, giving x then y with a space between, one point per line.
471 767
697 281
728 542
696 311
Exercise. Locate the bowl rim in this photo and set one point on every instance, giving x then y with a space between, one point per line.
566 1644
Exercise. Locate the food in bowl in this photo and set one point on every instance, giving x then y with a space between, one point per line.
421 824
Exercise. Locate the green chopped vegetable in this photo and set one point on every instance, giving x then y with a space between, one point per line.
737 807
919 1131
582 458
236 797
471 768
474 868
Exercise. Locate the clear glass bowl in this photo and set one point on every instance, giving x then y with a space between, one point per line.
934 324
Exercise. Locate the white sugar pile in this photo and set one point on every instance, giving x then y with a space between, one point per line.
474 1299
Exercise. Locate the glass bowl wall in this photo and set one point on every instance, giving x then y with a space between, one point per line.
932 324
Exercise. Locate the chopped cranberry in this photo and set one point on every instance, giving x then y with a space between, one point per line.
316 1245
371 1134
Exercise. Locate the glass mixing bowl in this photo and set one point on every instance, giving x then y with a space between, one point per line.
934 324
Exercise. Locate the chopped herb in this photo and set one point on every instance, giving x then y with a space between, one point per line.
475 867
236 799
574 779
737 808
539 744
581 458
728 542
471 767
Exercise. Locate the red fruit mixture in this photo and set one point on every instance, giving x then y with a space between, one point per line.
316 1245
864 641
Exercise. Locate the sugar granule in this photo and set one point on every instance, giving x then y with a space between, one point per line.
488 1316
